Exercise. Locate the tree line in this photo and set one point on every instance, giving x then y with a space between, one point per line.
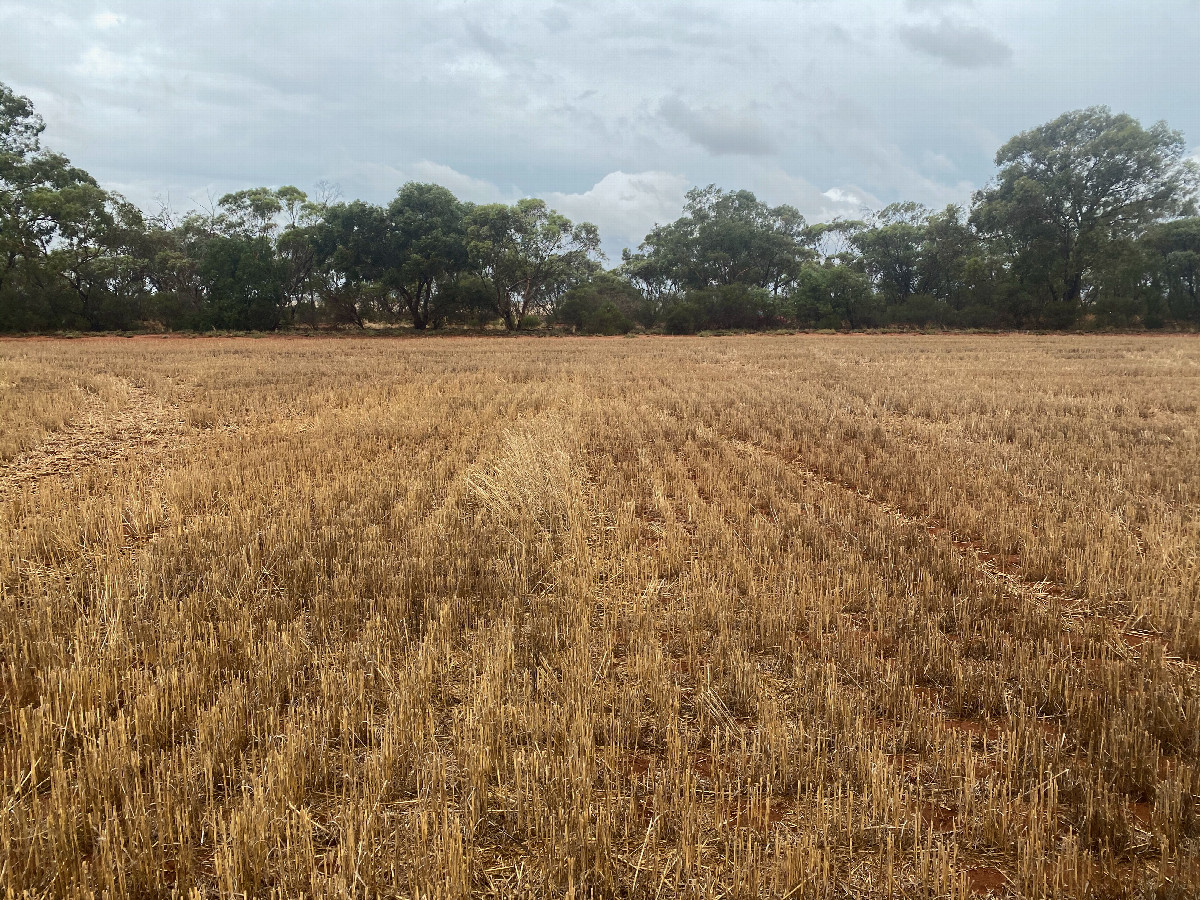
1090 220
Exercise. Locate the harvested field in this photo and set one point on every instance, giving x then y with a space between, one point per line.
813 616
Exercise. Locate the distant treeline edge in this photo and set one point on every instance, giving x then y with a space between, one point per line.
1090 221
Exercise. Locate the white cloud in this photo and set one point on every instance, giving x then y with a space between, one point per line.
475 65
106 20
837 195
625 206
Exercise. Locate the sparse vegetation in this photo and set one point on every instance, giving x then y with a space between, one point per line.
744 617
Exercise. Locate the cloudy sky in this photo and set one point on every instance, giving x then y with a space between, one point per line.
608 110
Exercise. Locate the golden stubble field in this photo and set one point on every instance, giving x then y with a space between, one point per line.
725 617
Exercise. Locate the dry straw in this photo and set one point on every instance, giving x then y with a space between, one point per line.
748 617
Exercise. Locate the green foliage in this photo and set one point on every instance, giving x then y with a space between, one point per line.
244 282
250 213
723 238
530 322
67 247
465 298
891 251
530 255
922 310
1068 190
681 318
1089 222
427 248
607 304
834 296
1173 260
721 308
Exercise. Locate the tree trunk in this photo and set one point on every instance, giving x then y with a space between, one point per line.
420 309
504 306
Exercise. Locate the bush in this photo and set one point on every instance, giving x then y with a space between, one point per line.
681 318
730 306
921 310
834 296
605 305
463 300
1118 311
978 316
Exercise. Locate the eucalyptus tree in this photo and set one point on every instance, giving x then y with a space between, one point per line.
891 250
1173 263
98 251
253 212
949 257
426 250
1067 190
529 255
68 248
351 243
723 238
412 251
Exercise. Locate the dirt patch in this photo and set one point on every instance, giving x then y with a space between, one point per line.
974 728
987 880
140 427
1142 813
938 817
636 765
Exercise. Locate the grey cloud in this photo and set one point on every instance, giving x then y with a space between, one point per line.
719 130
486 41
557 19
935 4
966 46
802 103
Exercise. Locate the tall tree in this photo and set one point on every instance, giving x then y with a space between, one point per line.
1173 249
252 212
350 251
947 250
529 255
1068 188
414 249
723 238
98 252
244 283
427 248
891 249
66 245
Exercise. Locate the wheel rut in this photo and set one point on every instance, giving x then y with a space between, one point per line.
1043 594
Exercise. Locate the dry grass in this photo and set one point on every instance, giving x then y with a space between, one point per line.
778 617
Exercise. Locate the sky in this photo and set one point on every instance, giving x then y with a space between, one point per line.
610 111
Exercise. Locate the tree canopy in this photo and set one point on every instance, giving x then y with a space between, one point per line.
1067 191
530 255
1089 221
724 238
